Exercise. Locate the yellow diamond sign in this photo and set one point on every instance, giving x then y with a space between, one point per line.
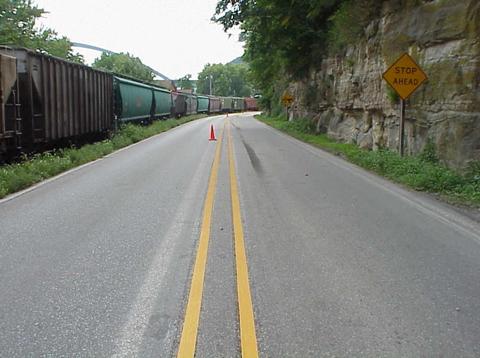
405 76
287 99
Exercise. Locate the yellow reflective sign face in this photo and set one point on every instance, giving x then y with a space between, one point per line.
287 99
405 76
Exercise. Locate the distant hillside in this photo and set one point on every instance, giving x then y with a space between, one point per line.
237 61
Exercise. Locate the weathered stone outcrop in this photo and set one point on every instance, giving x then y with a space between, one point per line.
349 100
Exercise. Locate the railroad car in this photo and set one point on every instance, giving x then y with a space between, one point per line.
140 102
133 101
47 102
227 104
10 128
179 105
251 104
190 104
238 104
214 104
57 101
162 103
202 104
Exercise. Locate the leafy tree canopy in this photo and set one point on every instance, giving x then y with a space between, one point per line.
185 82
292 30
17 28
124 64
226 80
285 38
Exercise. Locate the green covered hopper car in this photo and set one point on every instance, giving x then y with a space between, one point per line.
133 100
202 104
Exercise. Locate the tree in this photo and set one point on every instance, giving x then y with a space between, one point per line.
185 82
284 39
292 30
18 27
124 64
225 80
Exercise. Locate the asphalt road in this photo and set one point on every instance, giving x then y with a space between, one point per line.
99 261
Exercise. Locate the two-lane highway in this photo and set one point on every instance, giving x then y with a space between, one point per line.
104 261
97 262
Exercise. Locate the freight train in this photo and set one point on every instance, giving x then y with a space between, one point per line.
48 102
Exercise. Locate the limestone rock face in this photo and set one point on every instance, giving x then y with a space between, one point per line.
349 100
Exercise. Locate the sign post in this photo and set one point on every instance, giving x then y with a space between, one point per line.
402 126
404 76
287 100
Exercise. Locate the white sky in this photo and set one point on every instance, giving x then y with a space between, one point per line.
175 37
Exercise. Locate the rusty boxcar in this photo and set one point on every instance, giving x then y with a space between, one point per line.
191 104
214 104
58 100
10 127
251 104
179 106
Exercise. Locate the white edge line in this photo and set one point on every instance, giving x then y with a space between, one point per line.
70 171
442 214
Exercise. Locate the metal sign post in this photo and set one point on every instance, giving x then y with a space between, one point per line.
404 76
402 127
287 100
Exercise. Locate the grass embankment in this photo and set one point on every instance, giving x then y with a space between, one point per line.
423 172
15 177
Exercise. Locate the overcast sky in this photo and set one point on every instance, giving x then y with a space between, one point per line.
175 37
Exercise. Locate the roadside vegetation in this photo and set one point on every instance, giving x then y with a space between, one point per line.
286 39
124 64
225 80
18 27
423 172
18 176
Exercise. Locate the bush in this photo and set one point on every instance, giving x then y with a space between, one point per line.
473 172
429 153
392 95
15 177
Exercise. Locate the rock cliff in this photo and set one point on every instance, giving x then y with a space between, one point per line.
349 100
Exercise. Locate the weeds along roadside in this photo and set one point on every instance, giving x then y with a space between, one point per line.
422 173
18 176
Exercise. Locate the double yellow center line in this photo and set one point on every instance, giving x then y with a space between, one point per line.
248 340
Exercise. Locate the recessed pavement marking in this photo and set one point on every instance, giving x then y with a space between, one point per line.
248 338
188 339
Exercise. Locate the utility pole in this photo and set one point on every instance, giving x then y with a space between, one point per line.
210 90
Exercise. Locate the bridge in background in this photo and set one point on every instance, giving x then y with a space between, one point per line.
100 49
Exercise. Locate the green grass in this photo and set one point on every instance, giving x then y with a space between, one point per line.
18 176
422 173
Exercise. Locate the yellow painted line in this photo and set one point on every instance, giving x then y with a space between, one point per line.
188 340
248 338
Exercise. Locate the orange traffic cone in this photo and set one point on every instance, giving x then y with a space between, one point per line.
212 133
